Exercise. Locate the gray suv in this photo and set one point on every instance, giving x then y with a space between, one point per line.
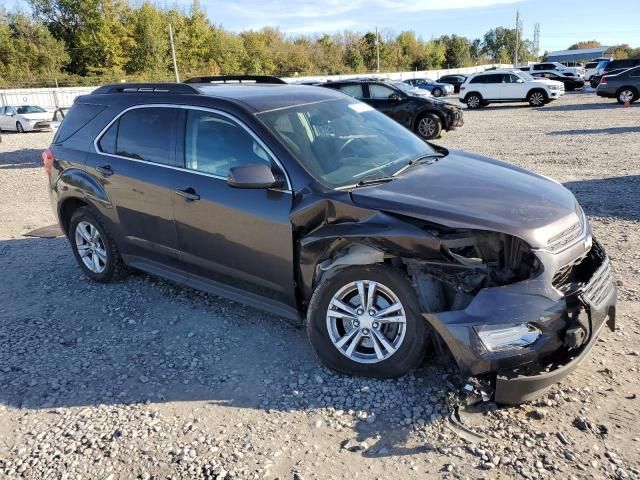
312 205
624 86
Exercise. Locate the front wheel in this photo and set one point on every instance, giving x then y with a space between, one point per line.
365 320
537 98
626 94
429 126
19 127
436 92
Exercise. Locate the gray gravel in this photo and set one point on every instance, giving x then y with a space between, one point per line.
145 379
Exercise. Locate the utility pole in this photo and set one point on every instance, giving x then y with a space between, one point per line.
515 64
536 40
173 54
377 52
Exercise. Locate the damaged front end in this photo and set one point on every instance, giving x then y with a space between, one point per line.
523 316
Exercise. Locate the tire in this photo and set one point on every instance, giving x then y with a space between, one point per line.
428 126
103 262
537 98
626 93
473 101
593 83
406 341
19 127
436 92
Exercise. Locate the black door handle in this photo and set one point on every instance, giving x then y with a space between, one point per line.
105 170
189 194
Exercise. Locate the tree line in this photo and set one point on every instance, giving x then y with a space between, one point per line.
88 42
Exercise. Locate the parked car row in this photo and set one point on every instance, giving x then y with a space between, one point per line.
422 114
623 86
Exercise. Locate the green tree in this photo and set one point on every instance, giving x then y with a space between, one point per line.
500 46
458 53
28 51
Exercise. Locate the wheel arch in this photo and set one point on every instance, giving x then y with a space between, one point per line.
629 87
426 111
468 94
76 189
537 89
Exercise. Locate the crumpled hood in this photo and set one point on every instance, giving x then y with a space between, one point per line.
464 190
37 116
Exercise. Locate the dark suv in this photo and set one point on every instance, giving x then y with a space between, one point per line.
312 205
423 115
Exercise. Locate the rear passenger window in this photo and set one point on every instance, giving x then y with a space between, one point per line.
479 79
214 144
354 91
143 134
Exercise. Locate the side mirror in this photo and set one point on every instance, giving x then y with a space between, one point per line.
10 114
520 80
253 175
395 96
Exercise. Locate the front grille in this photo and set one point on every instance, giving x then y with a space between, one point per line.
42 125
566 237
591 274
601 284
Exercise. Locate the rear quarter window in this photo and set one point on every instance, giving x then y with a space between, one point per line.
77 117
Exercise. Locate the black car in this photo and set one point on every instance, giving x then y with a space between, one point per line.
620 64
309 204
425 116
570 83
455 80
595 79
623 86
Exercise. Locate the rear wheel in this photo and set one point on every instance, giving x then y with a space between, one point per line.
94 248
627 94
365 320
19 127
474 101
537 98
429 126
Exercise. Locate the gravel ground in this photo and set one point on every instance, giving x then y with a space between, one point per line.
145 379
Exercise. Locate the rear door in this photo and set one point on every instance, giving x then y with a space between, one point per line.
134 162
492 86
240 238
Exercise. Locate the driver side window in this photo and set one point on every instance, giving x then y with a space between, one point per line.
214 144
380 92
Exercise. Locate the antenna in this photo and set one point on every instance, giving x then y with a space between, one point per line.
536 40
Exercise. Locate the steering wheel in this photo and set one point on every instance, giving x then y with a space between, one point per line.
346 144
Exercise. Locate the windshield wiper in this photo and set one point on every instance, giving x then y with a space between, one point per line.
419 160
373 181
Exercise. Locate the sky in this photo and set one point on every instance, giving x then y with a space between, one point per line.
562 22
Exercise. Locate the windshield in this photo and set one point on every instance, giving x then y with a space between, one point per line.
404 87
342 142
29 109
525 76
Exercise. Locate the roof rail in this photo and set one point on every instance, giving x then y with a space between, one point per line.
178 88
236 79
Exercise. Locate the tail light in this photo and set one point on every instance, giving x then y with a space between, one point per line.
47 160
604 81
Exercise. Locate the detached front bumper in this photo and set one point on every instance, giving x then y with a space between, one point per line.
569 321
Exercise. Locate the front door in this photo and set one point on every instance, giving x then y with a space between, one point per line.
135 163
238 238
390 102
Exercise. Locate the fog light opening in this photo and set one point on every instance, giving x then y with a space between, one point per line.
500 338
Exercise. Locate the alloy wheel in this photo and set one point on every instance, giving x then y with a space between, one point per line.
427 127
91 247
473 101
537 99
625 95
366 321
